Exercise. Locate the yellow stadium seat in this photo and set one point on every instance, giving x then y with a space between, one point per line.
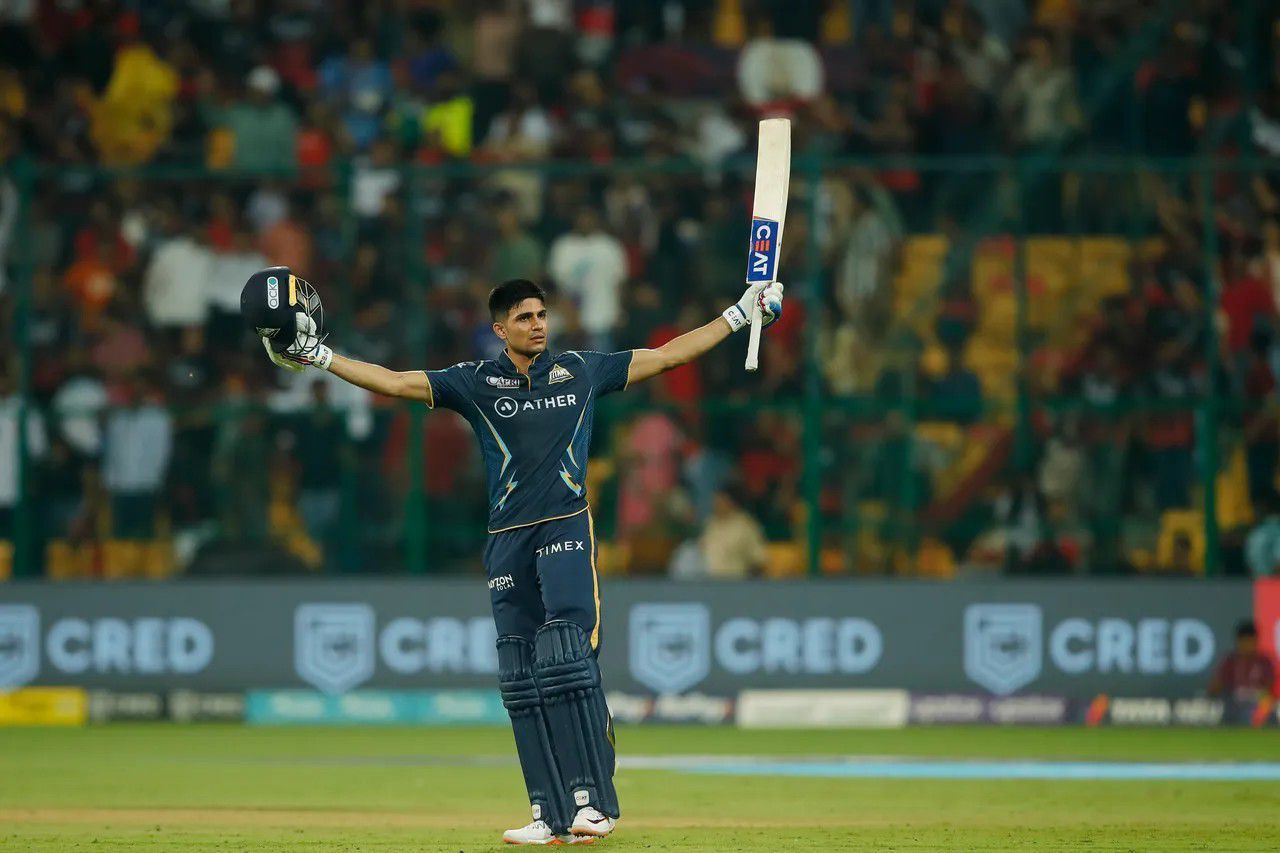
935 560
1232 492
60 561
1104 265
1176 522
612 558
784 560
123 559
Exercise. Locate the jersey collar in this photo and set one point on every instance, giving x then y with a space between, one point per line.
541 363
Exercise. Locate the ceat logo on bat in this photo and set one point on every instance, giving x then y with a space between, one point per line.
763 257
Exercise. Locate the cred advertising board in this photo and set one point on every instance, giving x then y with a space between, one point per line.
1067 638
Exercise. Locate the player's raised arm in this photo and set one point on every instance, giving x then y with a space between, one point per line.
647 363
282 309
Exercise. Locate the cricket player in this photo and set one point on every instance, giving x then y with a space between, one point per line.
531 410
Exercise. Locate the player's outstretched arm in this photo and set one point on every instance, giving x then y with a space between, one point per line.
647 363
306 350
407 384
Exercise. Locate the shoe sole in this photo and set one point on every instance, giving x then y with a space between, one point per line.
555 842
590 833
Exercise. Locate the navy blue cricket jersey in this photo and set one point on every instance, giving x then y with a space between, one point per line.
534 430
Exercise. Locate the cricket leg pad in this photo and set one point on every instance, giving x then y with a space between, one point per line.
581 730
547 792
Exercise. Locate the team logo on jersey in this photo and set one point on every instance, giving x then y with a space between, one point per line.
502 381
506 407
558 374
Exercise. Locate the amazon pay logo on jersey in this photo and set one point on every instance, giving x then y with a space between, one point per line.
762 259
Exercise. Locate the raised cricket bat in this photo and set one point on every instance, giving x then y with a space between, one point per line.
768 215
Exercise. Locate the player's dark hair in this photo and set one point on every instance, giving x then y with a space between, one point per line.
1246 629
511 293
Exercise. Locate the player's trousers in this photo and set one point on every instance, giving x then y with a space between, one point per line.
543 573
546 605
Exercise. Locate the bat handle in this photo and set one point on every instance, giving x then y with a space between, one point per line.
753 337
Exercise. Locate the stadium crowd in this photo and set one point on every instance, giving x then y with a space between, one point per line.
299 132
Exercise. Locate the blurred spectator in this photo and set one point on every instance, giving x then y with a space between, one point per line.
496 34
981 55
139 440
1246 674
589 265
517 253
1262 545
1170 429
447 121
92 279
732 541
522 132
287 243
870 242
778 72
649 464
10 442
376 178
360 85
1041 99
135 114
78 407
263 130
1029 547
957 393
322 452
177 280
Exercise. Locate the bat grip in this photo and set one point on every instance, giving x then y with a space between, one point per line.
753 337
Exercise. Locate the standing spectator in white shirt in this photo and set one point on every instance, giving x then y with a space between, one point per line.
589 265
9 445
136 459
175 287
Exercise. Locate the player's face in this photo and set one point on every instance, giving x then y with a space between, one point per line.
525 329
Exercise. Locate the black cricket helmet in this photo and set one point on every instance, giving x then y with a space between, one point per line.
270 304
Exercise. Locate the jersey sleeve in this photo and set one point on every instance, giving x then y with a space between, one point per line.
451 387
608 370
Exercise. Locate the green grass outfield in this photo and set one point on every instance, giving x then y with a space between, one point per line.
231 788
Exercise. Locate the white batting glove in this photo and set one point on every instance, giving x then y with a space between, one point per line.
280 361
306 349
769 296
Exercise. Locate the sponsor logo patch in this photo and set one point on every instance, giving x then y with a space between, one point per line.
558 374
502 582
273 292
502 381
762 257
505 407
560 547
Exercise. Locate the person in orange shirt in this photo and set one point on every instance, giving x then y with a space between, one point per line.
91 279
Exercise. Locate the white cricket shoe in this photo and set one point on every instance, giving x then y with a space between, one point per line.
590 823
539 833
